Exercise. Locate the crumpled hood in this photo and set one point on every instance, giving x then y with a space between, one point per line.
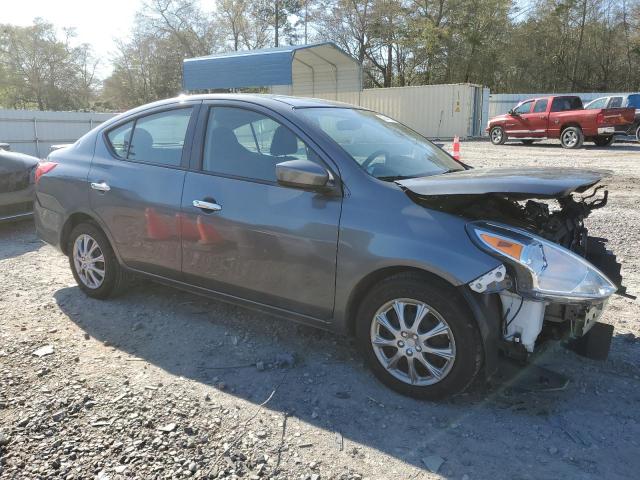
521 183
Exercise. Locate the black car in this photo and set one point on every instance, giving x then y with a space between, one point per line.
631 100
17 175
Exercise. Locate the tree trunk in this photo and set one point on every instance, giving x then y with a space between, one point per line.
577 54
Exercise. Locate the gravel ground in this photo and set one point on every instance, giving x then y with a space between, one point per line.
163 384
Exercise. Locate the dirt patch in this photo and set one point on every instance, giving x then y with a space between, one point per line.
164 384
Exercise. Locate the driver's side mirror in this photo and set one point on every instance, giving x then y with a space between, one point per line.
512 112
302 174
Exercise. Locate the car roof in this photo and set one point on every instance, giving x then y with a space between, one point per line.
295 102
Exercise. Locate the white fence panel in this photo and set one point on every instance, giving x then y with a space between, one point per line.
33 132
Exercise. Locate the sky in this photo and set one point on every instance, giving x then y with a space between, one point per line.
96 22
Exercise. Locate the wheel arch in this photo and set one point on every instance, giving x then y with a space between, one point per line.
564 126
77 218
485 309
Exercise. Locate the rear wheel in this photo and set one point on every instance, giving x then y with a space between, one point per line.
638 133
572 137
418 338
604 141
498 136
93 262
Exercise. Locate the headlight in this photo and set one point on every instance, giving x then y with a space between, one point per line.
544 270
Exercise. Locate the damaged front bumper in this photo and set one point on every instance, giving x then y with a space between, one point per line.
523 319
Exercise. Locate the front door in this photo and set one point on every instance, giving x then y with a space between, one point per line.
246 235
517 125
136 180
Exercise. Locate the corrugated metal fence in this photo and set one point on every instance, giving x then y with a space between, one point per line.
501 103
33 132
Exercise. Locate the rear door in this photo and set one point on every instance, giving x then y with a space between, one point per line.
253 238
136 180
537 120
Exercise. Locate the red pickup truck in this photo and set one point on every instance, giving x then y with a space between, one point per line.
560 117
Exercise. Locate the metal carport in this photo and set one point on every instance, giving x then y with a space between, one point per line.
315 70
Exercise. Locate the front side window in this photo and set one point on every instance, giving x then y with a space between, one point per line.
598 103
243 143
541 106
523 108
383 147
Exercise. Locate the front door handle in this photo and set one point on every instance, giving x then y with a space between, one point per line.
212 207
102 186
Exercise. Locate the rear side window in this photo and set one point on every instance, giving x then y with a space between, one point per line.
616 102
562 104
541 106
120 137
157 138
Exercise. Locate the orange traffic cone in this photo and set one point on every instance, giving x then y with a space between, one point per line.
456 148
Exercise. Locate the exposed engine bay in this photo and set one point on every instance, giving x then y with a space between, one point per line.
557 218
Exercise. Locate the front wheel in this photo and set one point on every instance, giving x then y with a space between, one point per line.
498 136
418 338
93 262
604 141
572 137
638 133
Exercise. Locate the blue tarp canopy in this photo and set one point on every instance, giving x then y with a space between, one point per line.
317 64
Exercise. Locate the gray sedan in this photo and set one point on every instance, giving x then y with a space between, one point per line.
337 217
17 174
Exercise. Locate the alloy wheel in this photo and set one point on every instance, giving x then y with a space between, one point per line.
88 260
496 135
413 342
570 138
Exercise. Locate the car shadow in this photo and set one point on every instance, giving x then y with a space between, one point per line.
18 238
327 385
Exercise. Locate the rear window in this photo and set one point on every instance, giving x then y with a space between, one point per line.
562 104
633 101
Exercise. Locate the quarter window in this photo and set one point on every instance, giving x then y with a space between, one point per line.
120 137
157 138
248 144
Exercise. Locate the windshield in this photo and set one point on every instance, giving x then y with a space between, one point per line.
383 147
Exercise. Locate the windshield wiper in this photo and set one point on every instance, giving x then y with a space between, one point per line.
393 178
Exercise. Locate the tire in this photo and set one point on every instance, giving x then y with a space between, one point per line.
459 337
604 141
572 137
638 133
498 136
113 280
527 142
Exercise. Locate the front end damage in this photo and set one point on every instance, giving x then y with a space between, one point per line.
555 279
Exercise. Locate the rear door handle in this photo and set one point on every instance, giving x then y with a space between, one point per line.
102 186
212 207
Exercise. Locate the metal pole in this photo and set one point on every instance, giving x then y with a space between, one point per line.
35 136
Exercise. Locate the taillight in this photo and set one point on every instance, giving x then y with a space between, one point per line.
600 118
44 167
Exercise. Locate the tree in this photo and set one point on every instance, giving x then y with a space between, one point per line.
43 71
